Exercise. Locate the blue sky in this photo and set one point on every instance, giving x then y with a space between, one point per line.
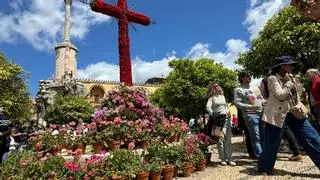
184 29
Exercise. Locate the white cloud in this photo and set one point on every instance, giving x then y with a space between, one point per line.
143 70
41 23
234 48
260 12
256 82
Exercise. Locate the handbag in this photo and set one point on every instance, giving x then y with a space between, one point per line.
218 132
299 111
218 124
219 120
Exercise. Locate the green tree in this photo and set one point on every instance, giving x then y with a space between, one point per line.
14 94
185 90
287 33
69 108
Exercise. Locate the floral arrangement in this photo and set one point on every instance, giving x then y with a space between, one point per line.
203 142
130 116
126 115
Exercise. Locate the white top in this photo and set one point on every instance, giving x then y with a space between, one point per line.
217 105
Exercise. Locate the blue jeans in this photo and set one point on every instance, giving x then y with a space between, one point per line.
307 136
303 131
272 139
224 145
253 123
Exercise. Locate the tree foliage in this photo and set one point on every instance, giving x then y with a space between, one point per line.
287 33
69 108
185 90
14 94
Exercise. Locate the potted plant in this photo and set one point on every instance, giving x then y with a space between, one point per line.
96 139
191 148
203 143
47 142
143 171
200 160
155 170
173 156
80 144
124 163
143 138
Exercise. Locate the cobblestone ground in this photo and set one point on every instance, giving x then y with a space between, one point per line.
284 169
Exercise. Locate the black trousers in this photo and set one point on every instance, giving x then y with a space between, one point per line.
289 136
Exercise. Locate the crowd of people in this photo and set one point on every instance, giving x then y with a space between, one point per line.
268 113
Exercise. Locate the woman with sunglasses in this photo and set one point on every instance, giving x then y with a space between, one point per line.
220 117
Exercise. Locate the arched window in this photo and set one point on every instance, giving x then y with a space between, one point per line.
96 94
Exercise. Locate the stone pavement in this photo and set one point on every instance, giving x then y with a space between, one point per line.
244 170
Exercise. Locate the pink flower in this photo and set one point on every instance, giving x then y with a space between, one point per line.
68 164
138 129
40 154
24 163
103 152
72 124
38 145
44 158
130 123
92 125
117 121
84 170
63 130
117 98
91 173
53 126
131 145
121 107
131 105
184 127
86 177
75 167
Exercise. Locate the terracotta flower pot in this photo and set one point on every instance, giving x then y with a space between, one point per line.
143 176
167 172
116 177
155 175
80 149
187 169
173 138
97 148
144 144
114 144
201 166
55 151
178 137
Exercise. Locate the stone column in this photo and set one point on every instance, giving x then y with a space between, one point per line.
67 21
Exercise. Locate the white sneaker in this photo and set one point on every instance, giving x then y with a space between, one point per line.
223 163
231 163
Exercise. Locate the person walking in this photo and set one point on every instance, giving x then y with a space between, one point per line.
217 107
284 106
314 96
287 134
249 100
